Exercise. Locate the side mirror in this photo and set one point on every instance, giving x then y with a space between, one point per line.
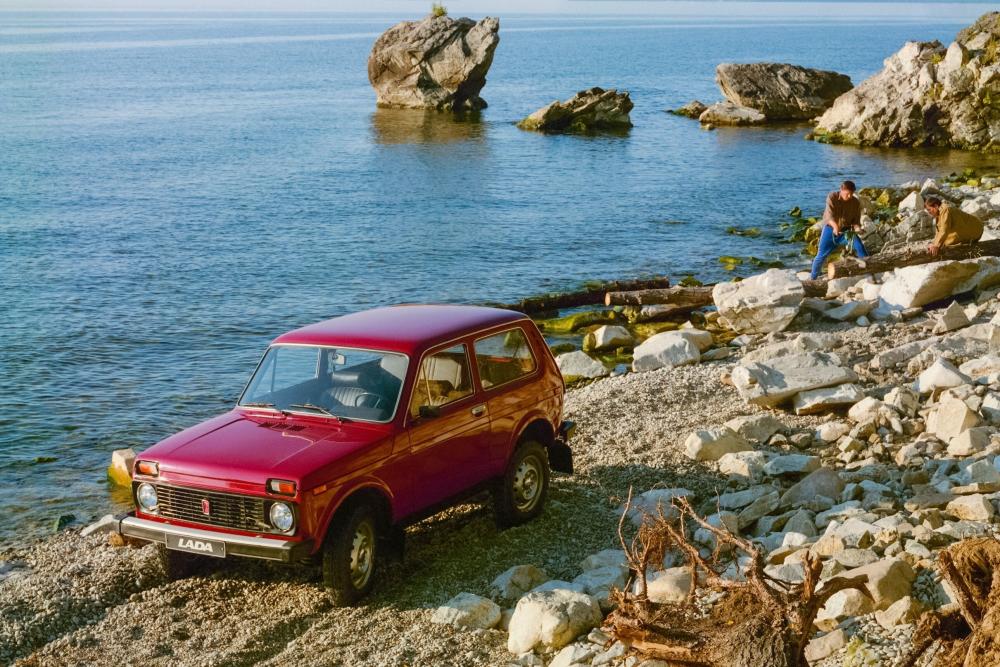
429 411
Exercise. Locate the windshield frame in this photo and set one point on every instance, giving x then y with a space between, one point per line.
306 413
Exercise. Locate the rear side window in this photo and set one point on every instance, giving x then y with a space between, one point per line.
444 378
504 357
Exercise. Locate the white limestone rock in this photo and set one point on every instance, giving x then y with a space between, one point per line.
828 398
760 304
664 350
771 383
468 611
518 580
549 620
579 364
712 444
942 374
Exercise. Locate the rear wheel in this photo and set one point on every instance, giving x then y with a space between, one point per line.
520 495
350 555
177 564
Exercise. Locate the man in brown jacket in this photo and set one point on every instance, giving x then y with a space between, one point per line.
954 225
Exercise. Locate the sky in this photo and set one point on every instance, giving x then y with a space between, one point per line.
903 9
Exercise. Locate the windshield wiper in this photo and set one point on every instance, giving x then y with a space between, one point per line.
270 406
318 408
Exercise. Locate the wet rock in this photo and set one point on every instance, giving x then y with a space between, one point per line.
549 620
781 91
468 611
120 470
692 109
591 110
607 337
435 63
727 113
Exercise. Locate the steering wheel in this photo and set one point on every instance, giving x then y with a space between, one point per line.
361 397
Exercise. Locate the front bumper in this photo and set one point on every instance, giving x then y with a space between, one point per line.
247 546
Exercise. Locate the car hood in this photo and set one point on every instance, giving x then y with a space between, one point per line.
252 448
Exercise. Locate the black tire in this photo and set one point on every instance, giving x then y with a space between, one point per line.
520 495
351 555
177 564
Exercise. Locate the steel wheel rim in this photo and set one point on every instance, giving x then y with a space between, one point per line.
527 483
362 554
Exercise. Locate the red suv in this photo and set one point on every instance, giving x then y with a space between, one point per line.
351 428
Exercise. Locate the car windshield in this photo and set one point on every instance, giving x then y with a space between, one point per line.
341 382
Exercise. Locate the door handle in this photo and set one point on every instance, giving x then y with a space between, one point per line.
478 411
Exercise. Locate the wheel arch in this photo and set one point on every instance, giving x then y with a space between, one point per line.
537 427
371 494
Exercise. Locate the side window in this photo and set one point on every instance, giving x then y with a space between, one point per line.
443 378
503 357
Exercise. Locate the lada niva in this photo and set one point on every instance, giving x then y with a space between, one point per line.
352 428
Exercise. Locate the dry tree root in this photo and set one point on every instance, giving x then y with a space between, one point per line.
966 634
762 621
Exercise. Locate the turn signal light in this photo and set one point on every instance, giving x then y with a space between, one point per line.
281 487
150 468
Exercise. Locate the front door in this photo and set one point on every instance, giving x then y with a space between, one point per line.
449 428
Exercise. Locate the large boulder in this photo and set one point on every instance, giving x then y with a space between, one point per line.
770 383
926 95
579 364
590 110
435 63
762 303
551 619
781 91
922 284
727 113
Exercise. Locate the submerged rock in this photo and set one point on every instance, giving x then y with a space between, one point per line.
781 91
435 63
589 110
926 95
692 109
727 113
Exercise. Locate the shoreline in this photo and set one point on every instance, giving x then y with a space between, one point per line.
69 595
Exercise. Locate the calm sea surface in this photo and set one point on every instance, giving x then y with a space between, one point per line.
176 191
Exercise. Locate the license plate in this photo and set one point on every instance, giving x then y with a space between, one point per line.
194 545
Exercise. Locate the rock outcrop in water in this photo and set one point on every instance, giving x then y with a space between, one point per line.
781 91
727 113
436 63
927 95
590 110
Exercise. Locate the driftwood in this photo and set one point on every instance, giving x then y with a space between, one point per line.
762 621
687 299
590 296
853 266
968 633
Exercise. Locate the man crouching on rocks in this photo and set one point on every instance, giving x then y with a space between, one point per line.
842 214
954 225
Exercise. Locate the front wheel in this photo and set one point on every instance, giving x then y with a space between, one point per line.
350 556
520 495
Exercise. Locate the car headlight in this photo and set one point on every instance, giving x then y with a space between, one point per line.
282 517
146 495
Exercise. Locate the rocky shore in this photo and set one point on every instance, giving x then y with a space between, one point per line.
862 429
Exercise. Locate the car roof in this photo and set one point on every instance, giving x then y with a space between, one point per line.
409 329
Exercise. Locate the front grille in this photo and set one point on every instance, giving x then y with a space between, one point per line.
225 510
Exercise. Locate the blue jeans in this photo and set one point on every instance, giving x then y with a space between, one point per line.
828 242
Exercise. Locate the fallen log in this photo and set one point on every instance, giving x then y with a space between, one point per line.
853 266
589 296
687 299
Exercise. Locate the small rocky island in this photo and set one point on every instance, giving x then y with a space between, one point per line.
927 95
591 110
435 63
757 93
